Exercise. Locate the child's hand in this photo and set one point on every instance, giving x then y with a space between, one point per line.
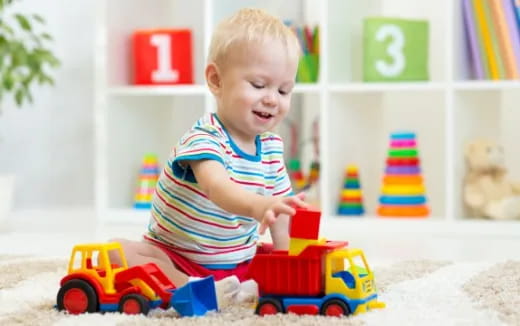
275 206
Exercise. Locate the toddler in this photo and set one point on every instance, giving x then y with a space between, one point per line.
225 181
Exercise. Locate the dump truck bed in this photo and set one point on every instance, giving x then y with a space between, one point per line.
278 273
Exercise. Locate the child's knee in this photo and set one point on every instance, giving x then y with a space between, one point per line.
126 246
120 240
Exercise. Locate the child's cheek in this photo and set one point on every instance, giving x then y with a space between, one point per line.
286 103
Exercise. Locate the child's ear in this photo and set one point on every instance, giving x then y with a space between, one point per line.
213 78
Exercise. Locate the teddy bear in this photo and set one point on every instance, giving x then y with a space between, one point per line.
488 192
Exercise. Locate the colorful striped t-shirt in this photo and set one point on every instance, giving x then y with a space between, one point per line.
182 216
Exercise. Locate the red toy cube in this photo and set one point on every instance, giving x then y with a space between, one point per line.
305 224
162 57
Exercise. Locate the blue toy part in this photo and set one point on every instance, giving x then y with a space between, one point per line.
402 135
150 171
347 278
142 205
195 298
351 185
352 304
114 307
402 200
355 211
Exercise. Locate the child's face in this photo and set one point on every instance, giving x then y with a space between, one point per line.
256 88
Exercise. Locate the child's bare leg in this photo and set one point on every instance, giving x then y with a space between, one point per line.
139 253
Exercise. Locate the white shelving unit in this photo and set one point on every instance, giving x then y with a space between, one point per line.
355 117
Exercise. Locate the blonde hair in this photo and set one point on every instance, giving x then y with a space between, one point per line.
251 26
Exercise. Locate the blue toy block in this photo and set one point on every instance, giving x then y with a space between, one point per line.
351 211
195 298
351 185
149 171
402 200
402 135
142 205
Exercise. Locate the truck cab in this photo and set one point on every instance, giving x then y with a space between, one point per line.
94 260
349 277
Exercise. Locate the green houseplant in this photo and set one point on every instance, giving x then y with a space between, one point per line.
25 59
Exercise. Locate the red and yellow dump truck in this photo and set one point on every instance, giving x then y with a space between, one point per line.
314 276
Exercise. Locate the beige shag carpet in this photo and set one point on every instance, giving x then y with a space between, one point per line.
416 293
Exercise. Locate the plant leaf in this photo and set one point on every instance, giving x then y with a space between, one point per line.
5 3
23 22
18 96
47 56
3 45
27 93
23 56
38 18
46 36
29 96
45 79
8 81
19 55
8 29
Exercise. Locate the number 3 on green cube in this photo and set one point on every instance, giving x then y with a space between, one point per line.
395 49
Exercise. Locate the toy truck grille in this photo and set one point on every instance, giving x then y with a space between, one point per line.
368 286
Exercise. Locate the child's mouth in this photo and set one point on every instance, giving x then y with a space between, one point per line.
263 115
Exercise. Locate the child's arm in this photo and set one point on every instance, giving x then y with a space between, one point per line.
280 232
214 181
280 229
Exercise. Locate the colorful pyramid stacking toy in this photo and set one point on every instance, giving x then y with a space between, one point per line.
146 183
351 200
314 173
296 174
403 192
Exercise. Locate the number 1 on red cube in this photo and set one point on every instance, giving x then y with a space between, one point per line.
162 57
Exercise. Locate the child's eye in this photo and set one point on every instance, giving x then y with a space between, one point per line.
283 92
257 85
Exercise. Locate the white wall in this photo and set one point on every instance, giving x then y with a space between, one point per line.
49 145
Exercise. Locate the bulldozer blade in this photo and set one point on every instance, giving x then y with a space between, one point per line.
195 298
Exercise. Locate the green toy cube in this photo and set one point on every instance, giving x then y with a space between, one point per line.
308 68
395 49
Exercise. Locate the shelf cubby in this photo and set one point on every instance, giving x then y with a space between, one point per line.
141 125
359 134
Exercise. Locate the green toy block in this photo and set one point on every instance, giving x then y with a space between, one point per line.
294 164
308 68
403 153
395 49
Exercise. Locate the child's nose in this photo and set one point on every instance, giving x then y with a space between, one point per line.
270 98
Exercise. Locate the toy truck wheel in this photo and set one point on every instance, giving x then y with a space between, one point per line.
77 297
334 307
134 304
268 306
